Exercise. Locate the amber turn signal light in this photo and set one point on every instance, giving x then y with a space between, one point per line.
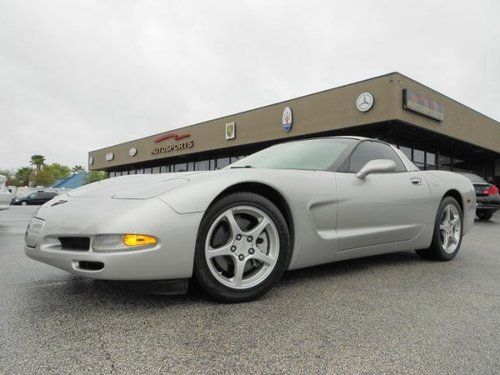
138 240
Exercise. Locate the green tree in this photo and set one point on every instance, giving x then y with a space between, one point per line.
37 161
59 171
23 176
8 174
94 176
44 177
77 169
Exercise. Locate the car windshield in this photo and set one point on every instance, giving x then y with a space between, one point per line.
316 154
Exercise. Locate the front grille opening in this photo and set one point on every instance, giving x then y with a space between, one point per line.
90 266
75 243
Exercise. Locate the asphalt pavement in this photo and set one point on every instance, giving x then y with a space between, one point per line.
389 314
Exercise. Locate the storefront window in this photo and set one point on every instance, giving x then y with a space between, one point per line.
223 162
112 174
132 171
165 169
444 162
190 166
431 160
235 158
406 151
213 165
139 171
181 167
156 169
202 165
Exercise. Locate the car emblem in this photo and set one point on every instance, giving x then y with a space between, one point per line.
58 202
174 136
287 119
230 130
364 102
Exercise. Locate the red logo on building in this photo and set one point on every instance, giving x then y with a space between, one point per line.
174 136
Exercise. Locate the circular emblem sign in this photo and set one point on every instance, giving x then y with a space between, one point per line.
364 102
287 119
132 151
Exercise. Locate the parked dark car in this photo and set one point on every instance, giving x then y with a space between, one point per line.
488 199
36 198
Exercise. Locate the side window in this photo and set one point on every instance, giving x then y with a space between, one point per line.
32 196
368 150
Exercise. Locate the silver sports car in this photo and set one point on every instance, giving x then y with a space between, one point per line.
236 230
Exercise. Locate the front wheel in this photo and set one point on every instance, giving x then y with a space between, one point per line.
448 231
24 203
242 248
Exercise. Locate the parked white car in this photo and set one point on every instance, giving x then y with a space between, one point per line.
237 230
5 194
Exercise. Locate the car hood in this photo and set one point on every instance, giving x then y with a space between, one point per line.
143 186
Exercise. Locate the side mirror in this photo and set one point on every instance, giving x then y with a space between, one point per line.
376 166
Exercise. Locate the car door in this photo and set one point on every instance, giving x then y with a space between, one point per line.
32 199
382 207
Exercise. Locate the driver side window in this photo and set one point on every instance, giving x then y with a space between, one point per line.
369 150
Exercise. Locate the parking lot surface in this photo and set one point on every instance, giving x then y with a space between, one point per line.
386 314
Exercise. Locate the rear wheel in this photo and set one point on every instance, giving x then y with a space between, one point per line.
242 249
484 215
448 231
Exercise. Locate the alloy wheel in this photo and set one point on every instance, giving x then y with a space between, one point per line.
242 247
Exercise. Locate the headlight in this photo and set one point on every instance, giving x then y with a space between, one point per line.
120 242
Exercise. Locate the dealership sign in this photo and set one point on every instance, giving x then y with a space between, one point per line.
422 105
172 146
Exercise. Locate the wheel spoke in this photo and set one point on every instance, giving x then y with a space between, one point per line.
264 258
233 224
239 268
220 251
447 215
259 228
442 227
453 239
455 220
445 241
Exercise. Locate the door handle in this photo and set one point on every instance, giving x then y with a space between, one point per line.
416 180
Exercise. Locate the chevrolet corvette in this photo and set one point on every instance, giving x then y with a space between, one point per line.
235 231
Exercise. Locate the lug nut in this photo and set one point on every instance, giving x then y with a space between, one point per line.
241 257
249 238
233 248
251 251
238 237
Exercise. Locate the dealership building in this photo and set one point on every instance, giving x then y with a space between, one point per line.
435 131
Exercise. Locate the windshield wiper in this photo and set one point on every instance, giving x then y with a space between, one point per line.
241 166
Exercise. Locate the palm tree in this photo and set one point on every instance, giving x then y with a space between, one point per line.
37 161
77 169
23 175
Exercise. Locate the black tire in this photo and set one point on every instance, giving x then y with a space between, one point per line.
484 215
436 251
201 271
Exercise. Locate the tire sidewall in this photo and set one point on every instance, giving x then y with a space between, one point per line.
201 270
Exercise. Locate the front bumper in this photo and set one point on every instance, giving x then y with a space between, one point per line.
171 258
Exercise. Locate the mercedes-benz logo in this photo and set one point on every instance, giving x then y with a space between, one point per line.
364 102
